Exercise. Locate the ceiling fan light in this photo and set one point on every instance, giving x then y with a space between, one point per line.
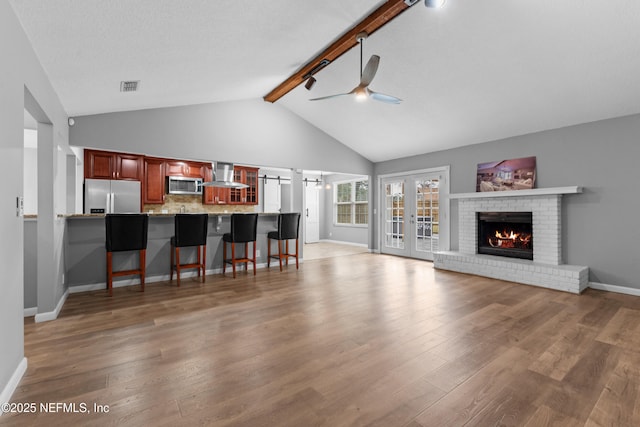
434 3
361 94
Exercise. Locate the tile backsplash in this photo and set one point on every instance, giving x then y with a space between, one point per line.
173 203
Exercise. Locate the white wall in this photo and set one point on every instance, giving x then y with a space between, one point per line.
21 74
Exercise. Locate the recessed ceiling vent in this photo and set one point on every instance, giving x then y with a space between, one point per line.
129 86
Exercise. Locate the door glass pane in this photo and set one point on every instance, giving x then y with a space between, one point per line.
427 215
394 215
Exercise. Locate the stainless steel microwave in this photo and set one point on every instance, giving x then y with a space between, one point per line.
184 185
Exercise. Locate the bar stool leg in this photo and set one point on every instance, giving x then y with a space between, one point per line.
268 252
204 262
254 258
143 266
198 260
246 255
286 260
224 257
172 263
280 253
296 254
233 258
178 264
110 273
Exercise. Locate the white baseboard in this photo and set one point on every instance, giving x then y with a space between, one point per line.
52 315
151 279
361 245
31 311
614 288
11 386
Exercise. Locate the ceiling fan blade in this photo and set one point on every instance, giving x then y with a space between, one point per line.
384 98
370 70
329 97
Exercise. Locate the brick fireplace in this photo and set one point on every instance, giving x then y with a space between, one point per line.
546 269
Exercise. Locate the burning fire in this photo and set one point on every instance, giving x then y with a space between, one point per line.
509 239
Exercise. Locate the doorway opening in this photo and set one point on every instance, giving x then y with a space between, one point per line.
336 214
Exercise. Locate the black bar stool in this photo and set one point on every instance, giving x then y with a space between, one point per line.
126 232
243 230
190 230
288 226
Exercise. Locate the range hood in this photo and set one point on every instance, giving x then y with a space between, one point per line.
223 176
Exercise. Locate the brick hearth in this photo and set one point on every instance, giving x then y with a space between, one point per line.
546 269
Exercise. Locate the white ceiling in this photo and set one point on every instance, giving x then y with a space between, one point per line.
471 72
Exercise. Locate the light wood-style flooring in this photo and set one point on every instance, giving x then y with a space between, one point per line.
357 340
331 249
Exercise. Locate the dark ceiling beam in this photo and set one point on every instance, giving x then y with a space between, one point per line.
372 22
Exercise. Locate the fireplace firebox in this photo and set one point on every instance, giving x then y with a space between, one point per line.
508 234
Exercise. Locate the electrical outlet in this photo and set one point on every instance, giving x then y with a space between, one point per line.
257 253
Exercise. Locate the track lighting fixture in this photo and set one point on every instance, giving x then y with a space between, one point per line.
309 76
310 82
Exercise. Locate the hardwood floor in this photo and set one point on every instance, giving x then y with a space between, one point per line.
331 249
357 340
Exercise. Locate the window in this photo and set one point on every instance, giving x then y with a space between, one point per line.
351 200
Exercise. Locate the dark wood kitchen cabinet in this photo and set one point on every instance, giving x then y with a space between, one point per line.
213 195
108 165
183 168
245 196
153 188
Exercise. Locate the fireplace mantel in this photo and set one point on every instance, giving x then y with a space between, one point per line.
518 193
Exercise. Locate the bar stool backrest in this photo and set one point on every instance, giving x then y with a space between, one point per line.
244 227
191 229
126 232
288 225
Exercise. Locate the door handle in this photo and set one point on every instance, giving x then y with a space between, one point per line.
307 212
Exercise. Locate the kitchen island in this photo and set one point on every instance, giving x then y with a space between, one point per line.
85 255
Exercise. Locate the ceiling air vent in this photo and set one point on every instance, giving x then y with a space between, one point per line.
129 86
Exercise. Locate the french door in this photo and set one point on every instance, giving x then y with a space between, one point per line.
412 217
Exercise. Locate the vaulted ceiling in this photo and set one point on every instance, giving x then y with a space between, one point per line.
470 72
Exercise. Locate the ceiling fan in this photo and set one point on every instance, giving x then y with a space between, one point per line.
362 91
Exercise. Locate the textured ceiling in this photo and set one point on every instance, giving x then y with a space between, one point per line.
468 73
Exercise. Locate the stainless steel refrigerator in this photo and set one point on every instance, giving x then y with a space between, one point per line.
111 196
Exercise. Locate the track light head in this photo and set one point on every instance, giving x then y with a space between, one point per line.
310 82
